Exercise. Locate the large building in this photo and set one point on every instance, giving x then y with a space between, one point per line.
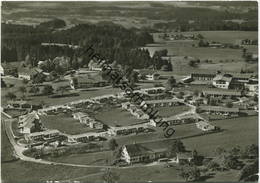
29 123
87 81
222 93
220 110
222 81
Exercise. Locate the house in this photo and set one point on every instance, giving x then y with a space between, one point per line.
21 104
94 66
162 103
252 87
27 73
149 75
87 81
202 76
183 119
222 81
96 124
29 123
184 157
43 135
79 115
85 137
219 110
222 93
204 126
137 153
126 130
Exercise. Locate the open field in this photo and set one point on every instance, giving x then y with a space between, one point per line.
6 147
33 172
151 173
117 117
171 111
237 131
65 124
97 158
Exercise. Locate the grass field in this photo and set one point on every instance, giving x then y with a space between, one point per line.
237 131
97 158
6 147
33 172
65 123
171 111
117 116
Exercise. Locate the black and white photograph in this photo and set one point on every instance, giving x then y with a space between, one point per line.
129 91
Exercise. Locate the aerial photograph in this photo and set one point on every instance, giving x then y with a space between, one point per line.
129 91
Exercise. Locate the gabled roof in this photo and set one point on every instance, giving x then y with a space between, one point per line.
28 119
222 77
137 150
185 155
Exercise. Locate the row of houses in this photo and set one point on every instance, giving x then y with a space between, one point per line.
134 110
162 103
29 123
85 119
219 110
182 119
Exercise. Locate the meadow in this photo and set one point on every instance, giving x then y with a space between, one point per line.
117 117
65 123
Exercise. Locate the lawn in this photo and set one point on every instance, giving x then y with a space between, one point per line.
171 111
117 116
237 131
65 123
6 147
143 174
97 158
33 172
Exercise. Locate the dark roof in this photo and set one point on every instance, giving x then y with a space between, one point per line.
137 149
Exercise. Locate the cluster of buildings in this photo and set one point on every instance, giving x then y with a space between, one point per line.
134 110
228 81
85 119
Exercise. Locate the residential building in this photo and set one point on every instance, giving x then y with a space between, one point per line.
162 103
204 126
87 81
222 93
252 87
219 110
222 81
29 123
203 76
43 135
137 153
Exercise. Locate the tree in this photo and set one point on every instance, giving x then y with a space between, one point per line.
110 177
23 90
177 147
196 93
10 95
251 151
47 90
34 89
61 89
190 173
171 82
219 151
249 171
112 144
212 165
229 104
180 95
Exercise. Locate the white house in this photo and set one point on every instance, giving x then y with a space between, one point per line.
222 81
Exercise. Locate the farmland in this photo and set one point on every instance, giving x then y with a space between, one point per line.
225 59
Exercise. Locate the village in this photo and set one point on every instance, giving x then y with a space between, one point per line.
129 92
36 126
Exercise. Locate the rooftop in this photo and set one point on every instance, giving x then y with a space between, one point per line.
223 92
219 109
